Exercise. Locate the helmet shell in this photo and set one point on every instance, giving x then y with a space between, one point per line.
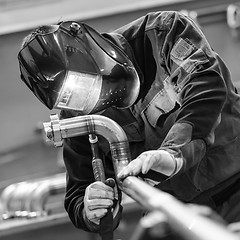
72 66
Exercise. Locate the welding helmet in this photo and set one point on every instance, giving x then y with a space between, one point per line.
71 66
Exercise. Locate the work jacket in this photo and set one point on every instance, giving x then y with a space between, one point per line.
187 105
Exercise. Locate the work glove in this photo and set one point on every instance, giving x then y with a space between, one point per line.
158 160
98 198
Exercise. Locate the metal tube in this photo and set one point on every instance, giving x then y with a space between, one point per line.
57 130
27 198
183 220
48 187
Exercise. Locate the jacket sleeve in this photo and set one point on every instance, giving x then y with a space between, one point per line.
79 176
195 82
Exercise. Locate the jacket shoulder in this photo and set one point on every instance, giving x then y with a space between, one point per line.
153 20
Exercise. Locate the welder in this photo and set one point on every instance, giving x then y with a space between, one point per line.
161 81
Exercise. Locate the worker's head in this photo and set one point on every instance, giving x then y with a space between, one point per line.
71 66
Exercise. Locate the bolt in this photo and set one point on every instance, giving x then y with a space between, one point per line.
74 28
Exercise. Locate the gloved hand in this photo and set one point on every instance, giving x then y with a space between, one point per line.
157 160
98 198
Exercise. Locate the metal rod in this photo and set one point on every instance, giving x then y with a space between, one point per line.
185 222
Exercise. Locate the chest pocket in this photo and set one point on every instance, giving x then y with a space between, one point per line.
165 92
157 102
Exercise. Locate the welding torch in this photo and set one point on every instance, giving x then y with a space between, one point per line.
106 222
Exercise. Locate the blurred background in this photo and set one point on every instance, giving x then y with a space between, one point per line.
24 155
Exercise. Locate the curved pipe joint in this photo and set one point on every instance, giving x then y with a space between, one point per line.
57 130
28 199
48 187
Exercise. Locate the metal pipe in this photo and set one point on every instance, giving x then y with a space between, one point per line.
57 130
48 187
28 199
183 220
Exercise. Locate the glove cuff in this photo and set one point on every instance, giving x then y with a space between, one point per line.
117 213
90 225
